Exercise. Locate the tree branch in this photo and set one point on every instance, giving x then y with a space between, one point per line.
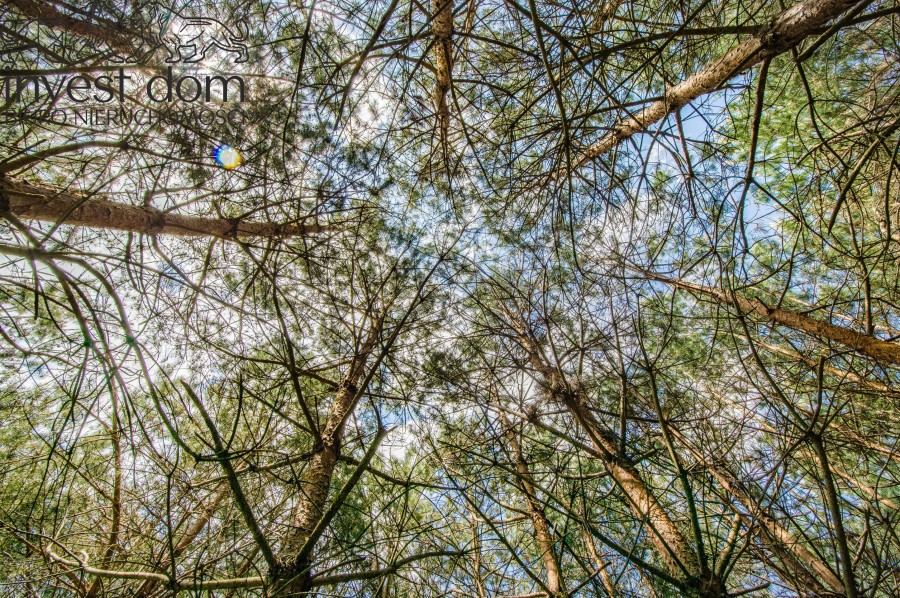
28 201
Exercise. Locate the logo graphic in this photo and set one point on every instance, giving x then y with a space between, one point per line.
12 41
7 47
174 43
185 38
188 39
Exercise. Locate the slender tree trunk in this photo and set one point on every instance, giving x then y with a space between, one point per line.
785 31
442 28
815 573
836 372
858 341
27 201
872 494
542 534
672 545
602 567
202 521
294 574
837 522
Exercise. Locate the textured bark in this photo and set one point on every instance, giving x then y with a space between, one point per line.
872 494
605 578
542 534
785 31
670 542
442 28
202 521
853 437
848 435
815 573
294 576
40 203
858 341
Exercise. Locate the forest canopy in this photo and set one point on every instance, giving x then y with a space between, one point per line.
488 298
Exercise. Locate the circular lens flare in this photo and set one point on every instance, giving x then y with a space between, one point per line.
228 157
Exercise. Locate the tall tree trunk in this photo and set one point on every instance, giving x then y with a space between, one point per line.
442 28
542 534
28 201
836 372
671 544
814 573
602 567
785 31
294 574
477 565
858 341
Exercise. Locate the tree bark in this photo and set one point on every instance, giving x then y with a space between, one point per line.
442 28
602 567
858 341
815 573
671 544
294 576
542 534
784 32
836 372
40 203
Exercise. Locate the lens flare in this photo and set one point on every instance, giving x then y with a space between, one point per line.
228 157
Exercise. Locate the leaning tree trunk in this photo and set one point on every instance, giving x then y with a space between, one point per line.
608 585
814 573
542 534
786 31
671 544
858 341
27 201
